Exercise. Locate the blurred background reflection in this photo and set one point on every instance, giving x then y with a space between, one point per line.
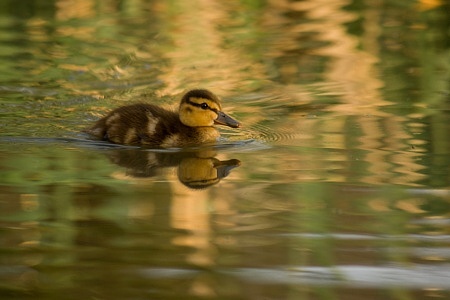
336 186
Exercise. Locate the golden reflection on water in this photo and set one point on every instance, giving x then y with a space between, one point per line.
190 212
351 73
337 160
68 9
199 55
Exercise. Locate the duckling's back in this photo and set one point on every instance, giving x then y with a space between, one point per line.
137 124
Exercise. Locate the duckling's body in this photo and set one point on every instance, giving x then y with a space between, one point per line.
150 125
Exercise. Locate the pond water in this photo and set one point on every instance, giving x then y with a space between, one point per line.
337 185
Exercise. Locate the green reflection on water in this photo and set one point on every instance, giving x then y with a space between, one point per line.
343 191
67 210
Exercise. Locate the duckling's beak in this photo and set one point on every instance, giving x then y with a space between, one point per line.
224 167
224 119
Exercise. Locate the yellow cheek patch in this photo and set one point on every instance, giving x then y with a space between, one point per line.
195 116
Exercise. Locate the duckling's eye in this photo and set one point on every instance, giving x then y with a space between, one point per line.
204 105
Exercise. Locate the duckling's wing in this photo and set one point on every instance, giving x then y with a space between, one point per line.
131 124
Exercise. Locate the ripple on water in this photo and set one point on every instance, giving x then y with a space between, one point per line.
266 134
223 144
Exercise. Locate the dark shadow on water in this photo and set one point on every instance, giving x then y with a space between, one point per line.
197 167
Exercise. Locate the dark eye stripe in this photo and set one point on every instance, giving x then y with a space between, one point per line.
200 105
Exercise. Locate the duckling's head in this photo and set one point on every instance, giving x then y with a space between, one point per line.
200 108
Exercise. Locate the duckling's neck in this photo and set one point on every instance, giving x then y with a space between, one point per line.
207 133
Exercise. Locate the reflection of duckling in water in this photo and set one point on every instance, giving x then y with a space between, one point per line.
196 170
150 125
197 173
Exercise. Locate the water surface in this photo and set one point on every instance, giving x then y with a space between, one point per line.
336 187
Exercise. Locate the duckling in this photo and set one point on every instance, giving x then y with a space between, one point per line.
150 125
